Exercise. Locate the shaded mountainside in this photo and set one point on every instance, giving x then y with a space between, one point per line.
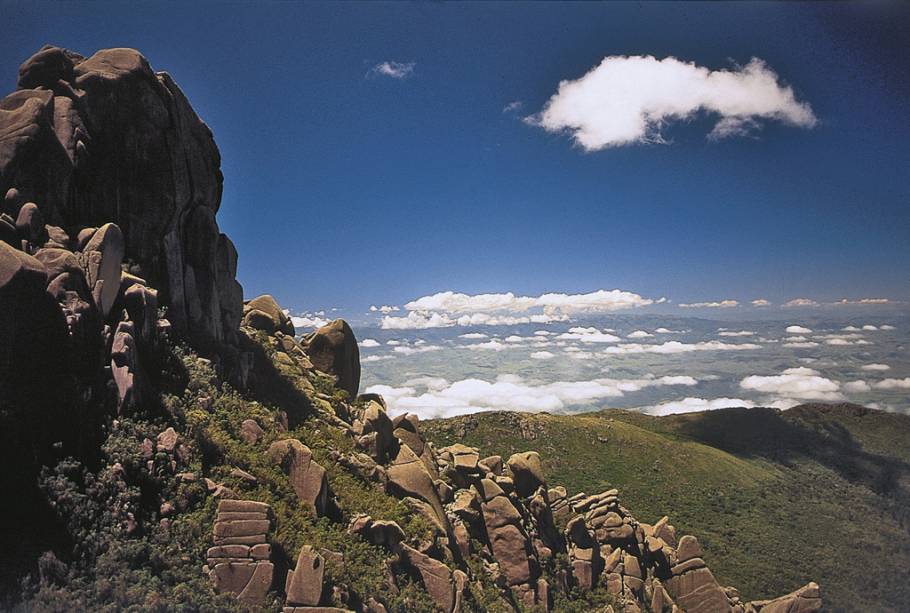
818 492
168 446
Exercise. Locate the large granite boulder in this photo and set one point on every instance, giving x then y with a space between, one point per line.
105 139
333 350
307 477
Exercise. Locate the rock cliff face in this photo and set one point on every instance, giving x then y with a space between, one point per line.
104 139
111 188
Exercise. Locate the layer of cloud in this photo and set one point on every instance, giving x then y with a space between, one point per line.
383 309
694 405
720 304
628 99
795 383
395 70
875 367
509 392
671 347
369 342
736 333
797 330
761 302
595 302
800 302
893 384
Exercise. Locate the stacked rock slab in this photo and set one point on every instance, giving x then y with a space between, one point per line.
239 562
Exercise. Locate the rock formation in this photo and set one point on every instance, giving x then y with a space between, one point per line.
239 561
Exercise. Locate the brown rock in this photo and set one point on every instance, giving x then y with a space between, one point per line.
307 477
250 431
687 549
333 350
436 577
806 599
304 583
527 472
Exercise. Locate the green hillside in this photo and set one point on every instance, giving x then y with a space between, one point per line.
819 492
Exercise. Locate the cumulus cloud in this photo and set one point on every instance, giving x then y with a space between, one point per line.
509 392
384 308
588 335
721 304
794 344
693 405
473 335
446 309
795 383
599 301
375 358
844 301
875 367
628 99
797 330
639 334
395 70
800 302
671 347
887 327
857 386
761 302
369 342
736 333
308 320
667 331
893 384
542 355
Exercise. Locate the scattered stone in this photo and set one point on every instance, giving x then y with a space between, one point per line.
250 431
527 472
307 477
304 584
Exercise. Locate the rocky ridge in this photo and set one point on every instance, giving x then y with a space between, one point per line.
111 185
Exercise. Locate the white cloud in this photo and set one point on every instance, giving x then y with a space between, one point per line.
795 383
721 304
800 302
736 333
692 405
667 331
542 333
857 386
393 342
761 302
844 301
800 344
421 320
407 350
851 329
416 320
875 367
493 345
870 328
308 320
893 384
375 358
671 347
395 70
473 335
599 301
513 106
542 355
369 342
887 327
510 392
384 308
797 330
639 334
588 335
628 99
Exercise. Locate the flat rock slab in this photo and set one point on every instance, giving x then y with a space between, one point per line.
242 506
241 527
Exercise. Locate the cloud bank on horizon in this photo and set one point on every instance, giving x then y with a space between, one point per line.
627 100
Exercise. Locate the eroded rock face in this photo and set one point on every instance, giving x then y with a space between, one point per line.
333 350
304 583
105 140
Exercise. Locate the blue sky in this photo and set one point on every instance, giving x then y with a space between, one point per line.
345 187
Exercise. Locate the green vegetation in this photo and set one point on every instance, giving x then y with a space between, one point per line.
776 498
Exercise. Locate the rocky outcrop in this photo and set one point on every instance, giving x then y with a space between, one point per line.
105 140
239 562
307 477
333 350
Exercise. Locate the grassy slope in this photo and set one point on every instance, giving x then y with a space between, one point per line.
776 499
